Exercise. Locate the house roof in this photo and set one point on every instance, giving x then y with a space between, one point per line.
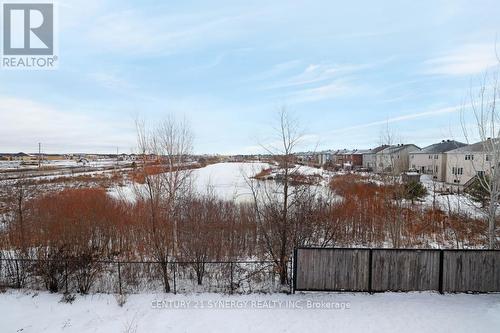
441 147
361 151
396 148
375 150
21 154
478 147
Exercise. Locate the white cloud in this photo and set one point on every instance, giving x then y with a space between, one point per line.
467 60
110 81
147 32
317 73
328 91
24 123
406 117
317 81
276 70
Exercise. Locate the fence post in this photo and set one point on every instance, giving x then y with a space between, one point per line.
119 278
175 277
294 274
18 278
66 275
441 271
231 279
370 270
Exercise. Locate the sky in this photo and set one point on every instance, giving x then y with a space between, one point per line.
345 69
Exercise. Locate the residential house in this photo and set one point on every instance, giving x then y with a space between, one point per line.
339 157
431 160
325 157
354 159
369 157
17 157
394 159
309 158
465 163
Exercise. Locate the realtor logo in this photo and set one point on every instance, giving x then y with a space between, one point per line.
28 35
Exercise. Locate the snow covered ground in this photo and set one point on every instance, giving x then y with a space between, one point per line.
228 181
414 312
457 203
7 165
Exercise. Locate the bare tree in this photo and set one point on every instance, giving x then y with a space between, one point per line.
175 146
486 114
385 164
276 204
165 175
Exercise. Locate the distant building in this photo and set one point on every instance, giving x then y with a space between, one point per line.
464 164
17 157
339 157
354 159
431 160
394 159
369 157
325 157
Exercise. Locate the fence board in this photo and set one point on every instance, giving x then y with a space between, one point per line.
471 271
323 269
405 270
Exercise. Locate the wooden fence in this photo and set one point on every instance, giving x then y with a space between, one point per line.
379 270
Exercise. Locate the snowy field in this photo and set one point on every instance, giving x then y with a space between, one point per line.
414 312
457 203
228 181
8 165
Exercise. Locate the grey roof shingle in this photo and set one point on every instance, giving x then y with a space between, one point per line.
480 146
396 148
441 147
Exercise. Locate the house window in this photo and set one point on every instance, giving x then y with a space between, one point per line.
430 157
480 174
488 158
435 168
457 171
469 157
436 157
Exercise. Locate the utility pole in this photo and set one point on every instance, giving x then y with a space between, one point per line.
39 154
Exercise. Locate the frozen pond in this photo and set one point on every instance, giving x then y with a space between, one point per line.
229 181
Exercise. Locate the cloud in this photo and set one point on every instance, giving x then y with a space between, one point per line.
276 70
316 82
406 117
110 81
317 73
468 59
146 32
328 91
24 123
